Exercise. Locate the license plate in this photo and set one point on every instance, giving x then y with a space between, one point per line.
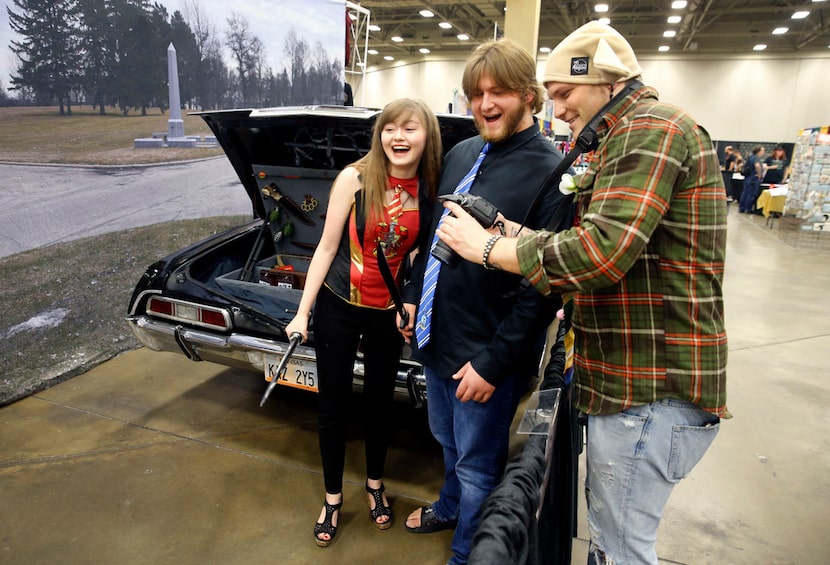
298 373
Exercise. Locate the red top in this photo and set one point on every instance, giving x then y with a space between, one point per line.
397 231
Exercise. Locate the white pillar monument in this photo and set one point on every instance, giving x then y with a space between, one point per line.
175 125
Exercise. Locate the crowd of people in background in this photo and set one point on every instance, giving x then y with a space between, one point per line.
744 179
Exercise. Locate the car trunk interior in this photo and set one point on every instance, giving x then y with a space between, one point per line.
265 269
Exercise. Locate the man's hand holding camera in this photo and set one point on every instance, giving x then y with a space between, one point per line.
466 236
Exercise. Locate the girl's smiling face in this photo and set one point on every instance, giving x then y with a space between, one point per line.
403 142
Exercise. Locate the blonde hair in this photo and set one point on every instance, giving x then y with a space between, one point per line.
374 166
509 65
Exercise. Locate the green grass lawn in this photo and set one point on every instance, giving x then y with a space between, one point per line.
40 135
86 283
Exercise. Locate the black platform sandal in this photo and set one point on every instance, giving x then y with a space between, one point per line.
327 527
379 509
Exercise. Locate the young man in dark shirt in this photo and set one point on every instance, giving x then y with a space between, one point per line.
486 329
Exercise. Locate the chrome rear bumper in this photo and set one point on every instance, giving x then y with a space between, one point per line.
246 352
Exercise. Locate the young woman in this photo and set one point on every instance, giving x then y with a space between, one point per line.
776 166
388 193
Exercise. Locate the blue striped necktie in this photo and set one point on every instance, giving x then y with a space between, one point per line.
434 265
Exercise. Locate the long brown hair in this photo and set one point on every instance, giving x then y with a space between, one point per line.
374 166
509 65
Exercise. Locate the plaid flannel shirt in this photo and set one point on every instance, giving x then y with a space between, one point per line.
645 263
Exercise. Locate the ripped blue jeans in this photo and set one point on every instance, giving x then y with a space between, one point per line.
634 459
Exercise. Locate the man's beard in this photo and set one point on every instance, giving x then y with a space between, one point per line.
511 126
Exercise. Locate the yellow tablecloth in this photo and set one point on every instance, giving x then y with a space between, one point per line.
770 204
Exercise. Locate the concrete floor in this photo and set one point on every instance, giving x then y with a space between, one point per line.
151 458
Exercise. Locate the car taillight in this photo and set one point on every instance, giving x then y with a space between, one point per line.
188 312
161 307
212 318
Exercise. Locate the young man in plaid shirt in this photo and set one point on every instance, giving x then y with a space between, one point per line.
645 264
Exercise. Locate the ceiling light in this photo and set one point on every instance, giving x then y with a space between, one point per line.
678 4
800 15
445 25
674 19
372 51
373 27
759 47
605 21
544 49
669 33
426 13
388 58
601 8
423 50
663 48
463 36
396 38
780 30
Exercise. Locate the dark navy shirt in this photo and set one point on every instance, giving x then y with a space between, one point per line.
480 315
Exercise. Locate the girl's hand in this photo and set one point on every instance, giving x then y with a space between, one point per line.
298 325
407 331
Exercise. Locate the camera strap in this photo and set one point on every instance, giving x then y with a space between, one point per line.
586 141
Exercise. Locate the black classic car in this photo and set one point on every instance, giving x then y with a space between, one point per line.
227 299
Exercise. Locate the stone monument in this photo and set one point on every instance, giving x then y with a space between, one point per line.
175 125
174 137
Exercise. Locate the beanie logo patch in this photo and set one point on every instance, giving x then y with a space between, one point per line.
579 66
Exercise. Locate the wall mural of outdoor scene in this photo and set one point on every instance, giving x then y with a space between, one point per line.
113 55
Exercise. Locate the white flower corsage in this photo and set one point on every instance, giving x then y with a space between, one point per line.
568 185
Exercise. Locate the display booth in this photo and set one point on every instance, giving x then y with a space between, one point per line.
808 198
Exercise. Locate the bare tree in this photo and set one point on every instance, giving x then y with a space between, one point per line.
297 51
246 50
207 39
325 81
256 66
211 73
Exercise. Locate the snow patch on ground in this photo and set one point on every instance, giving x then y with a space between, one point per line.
48 319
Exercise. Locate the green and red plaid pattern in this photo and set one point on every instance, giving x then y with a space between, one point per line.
645 265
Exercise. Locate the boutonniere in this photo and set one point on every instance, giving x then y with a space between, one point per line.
568 185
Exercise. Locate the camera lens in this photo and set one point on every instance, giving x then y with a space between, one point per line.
445 254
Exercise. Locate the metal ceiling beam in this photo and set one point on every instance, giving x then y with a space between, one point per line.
708 26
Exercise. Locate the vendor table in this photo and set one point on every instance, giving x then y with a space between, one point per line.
771 202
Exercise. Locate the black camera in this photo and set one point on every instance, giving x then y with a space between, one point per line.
484 213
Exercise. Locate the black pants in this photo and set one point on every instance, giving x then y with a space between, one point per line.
338 329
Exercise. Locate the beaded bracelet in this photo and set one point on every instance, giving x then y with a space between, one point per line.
487 249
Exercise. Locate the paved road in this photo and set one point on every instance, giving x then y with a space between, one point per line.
42 205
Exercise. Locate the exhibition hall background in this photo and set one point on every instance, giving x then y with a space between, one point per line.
751 98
